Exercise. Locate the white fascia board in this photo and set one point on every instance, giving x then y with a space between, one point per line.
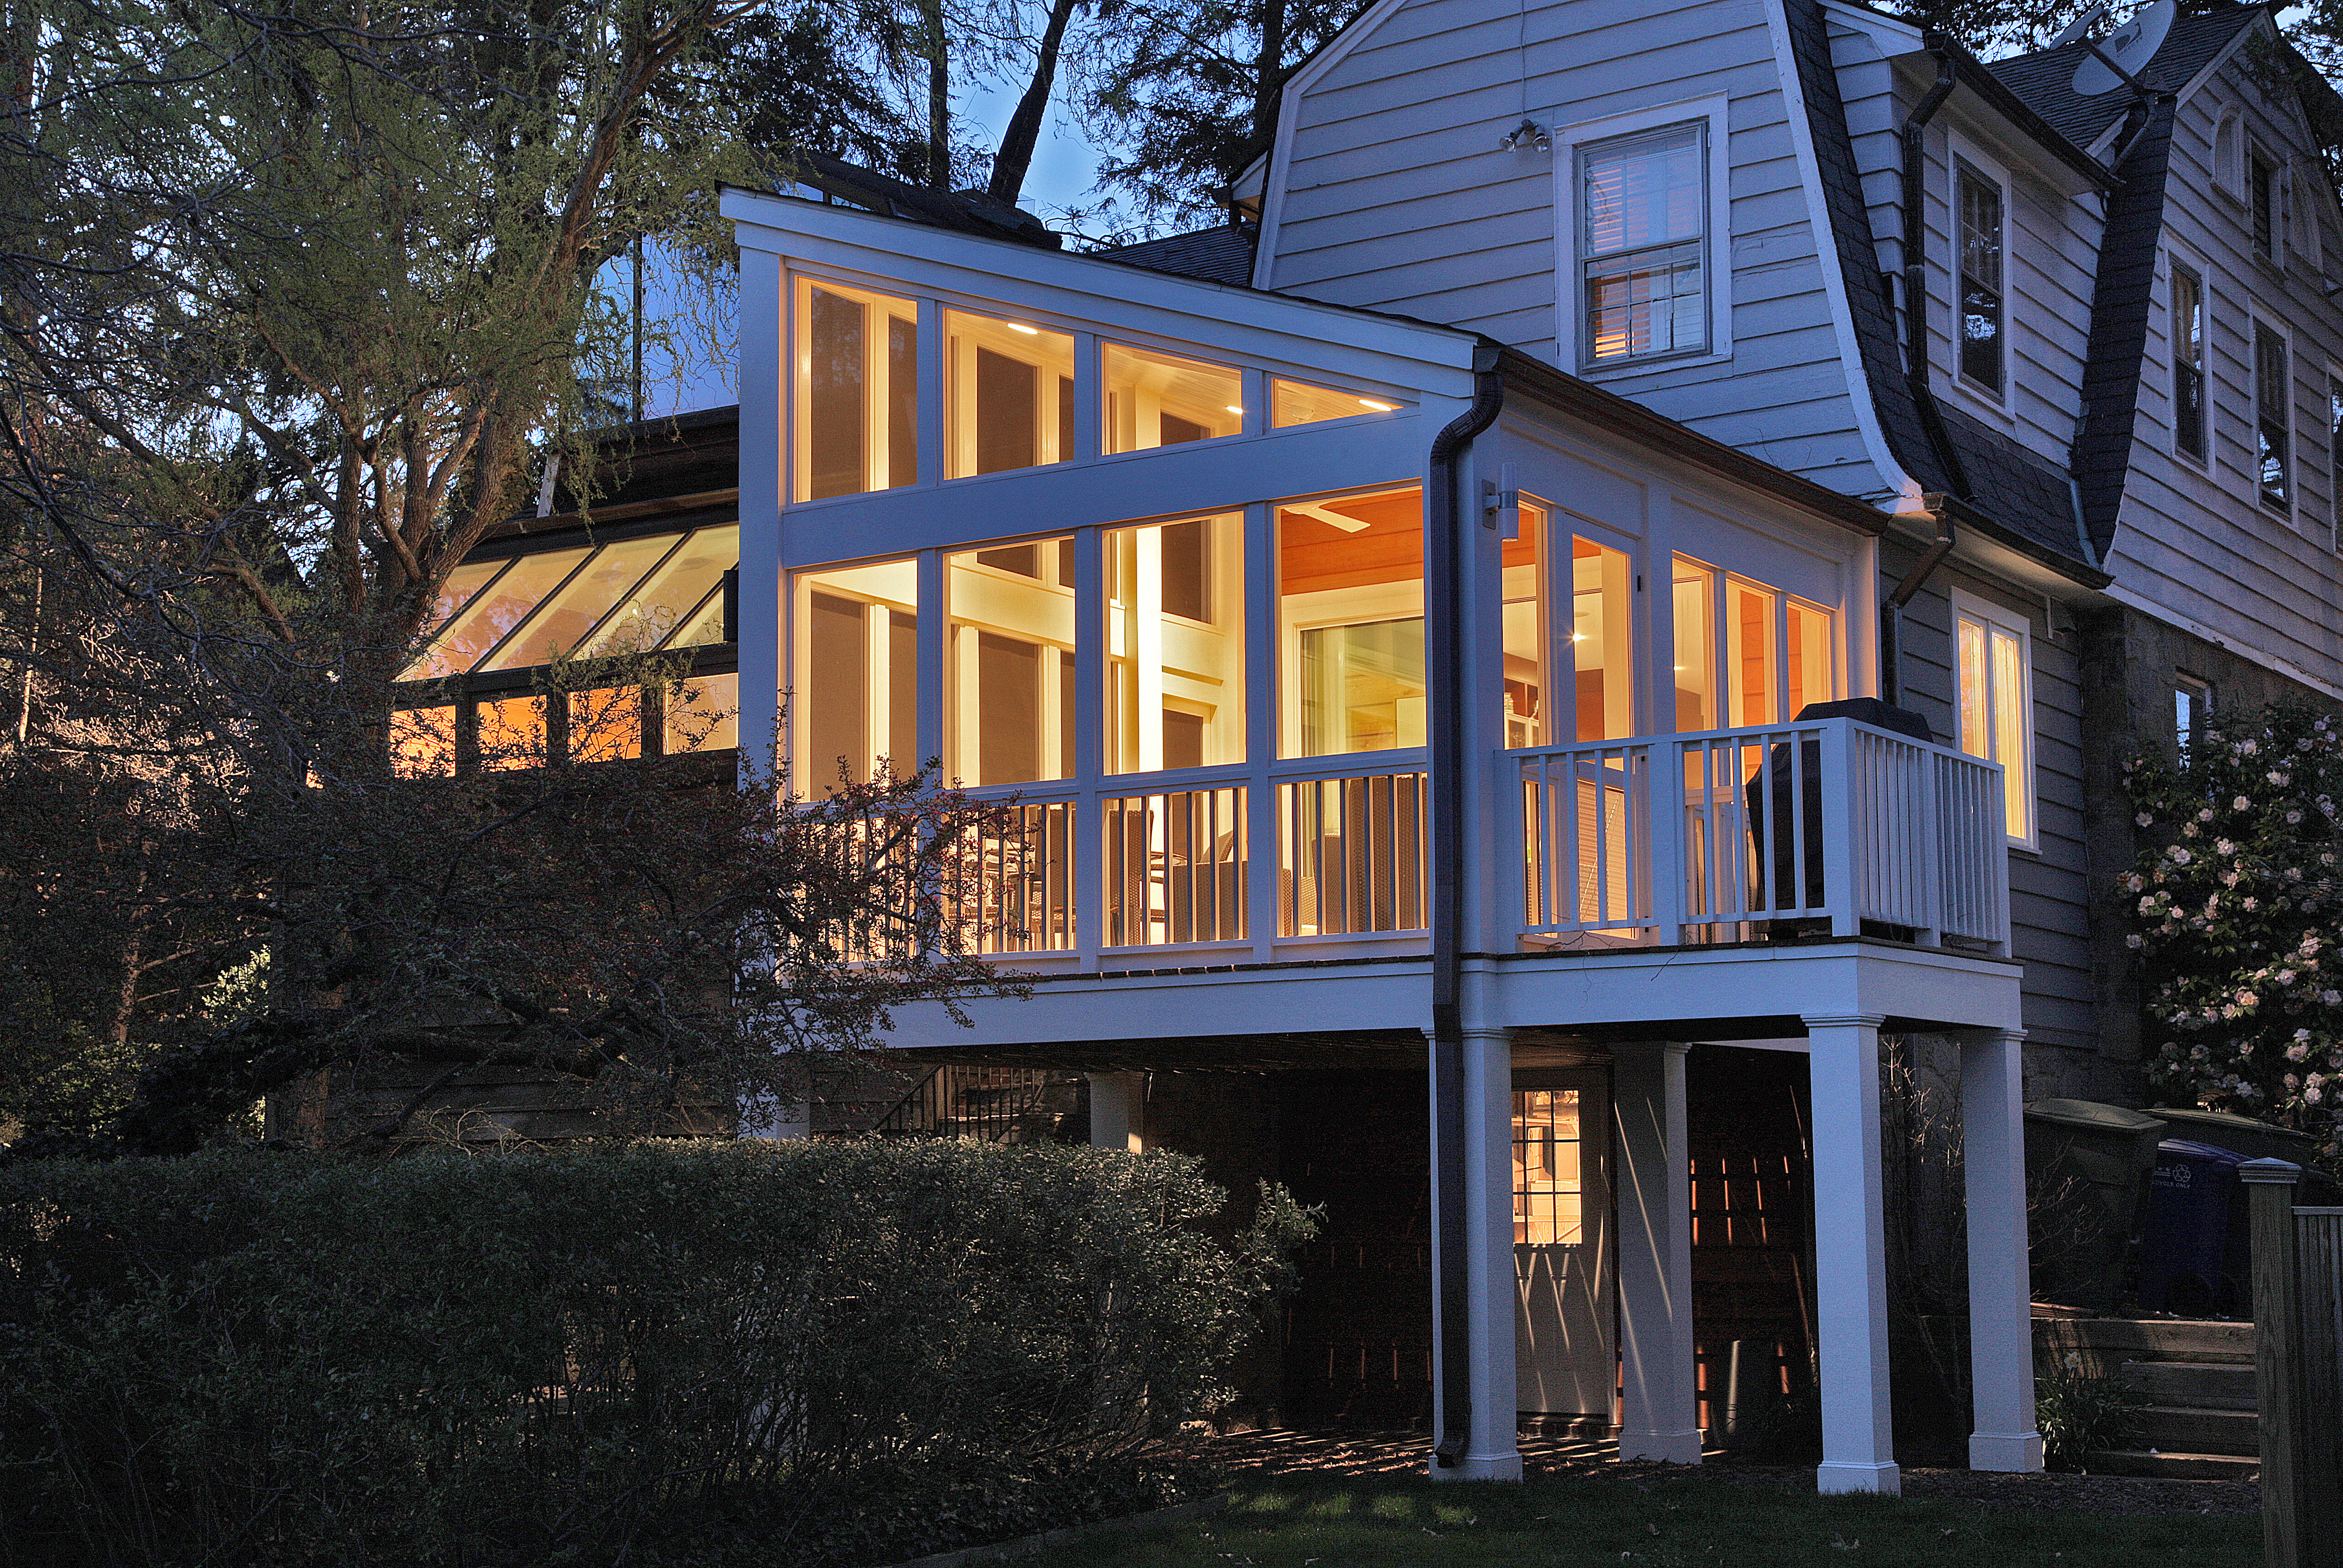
1079 293
1907 497
1280 141
1894 36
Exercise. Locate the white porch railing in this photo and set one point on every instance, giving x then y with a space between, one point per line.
1825 828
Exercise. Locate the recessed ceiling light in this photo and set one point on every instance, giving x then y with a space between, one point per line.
1378 407
1237 411
1028 331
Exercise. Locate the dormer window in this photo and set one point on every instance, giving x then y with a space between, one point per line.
1981 314
1643 244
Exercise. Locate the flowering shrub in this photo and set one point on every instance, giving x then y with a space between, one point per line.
2232 906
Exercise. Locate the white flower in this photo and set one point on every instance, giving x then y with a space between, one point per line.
2314 1094
2144 821
2275 777
2302 745
2225 847
2285 977
2180 856
2247 998
2252 904
2301 1034
2147 905
2245 1048
2247 748
2297 1053
2293 817
2330 998
2205 815
2293 1081
2132 940
2240 804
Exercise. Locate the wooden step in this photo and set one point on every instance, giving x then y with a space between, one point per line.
2204 1385
2192 1430
2172 1466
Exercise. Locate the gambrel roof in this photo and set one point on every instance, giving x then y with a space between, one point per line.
2044 79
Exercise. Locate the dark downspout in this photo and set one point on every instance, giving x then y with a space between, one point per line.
1915 248
1445 657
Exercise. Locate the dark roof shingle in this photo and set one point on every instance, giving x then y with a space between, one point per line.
2044 79
1222 255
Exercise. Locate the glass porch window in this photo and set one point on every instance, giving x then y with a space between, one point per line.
573 610
1812 675
1010 701
1979 350
1602 641
858 390
1175 673
1695 647
463 585
1300 402
1155 400
678 595
1009 395
1351 624
1548 1185
494 612
1521 575
1749 655
857 697
701 713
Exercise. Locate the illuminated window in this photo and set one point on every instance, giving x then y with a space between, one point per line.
1549 1189
1602 641
493 613
1011 699
1351 624
1643 238
1010 394
857 697
512 733
423 742
1161 400
1522 593
1300 402
1746 654
579 604
1993 651
701 713
606 725
1175 680
858 390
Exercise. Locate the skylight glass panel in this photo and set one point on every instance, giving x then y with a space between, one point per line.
668 597
493 613
570 613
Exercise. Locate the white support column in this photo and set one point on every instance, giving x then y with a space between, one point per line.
1491 1452
1659 1415
2001 1325
759 360
1118 1110
1850 1255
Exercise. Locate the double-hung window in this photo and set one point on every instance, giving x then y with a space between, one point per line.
2187 362
1643 206
2192 701
1981 316
1993 665
2268 209
2273 419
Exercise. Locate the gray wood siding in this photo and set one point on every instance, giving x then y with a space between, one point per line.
1396 195
2049 885
2196 541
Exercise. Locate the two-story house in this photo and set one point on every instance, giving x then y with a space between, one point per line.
1424 625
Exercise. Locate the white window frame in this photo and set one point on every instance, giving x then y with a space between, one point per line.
2257 321
1960 151
1570 305
2193 690
2175 261
2229 155
2017 624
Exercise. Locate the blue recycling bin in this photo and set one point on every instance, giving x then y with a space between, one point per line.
2186 1269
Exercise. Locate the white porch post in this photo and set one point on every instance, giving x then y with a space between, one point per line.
1659 1415
2001 1327
1491 1452
760 628
1117 1105
1850 1255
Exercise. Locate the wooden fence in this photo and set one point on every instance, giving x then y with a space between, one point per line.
2297 1279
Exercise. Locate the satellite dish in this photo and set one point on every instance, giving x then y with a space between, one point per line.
2127 50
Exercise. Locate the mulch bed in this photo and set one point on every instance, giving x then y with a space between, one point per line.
1386 1453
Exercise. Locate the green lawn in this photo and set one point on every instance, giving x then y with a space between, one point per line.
1669 1520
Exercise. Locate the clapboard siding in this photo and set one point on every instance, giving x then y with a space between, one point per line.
2197 540
1395 194
2049 885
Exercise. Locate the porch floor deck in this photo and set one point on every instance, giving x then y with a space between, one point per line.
1368 1452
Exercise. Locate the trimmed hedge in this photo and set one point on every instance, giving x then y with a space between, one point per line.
655 1352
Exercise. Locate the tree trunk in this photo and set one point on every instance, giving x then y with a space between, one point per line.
932 15
1268 71
1017 142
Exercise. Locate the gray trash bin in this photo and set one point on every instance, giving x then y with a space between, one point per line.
2087 1170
